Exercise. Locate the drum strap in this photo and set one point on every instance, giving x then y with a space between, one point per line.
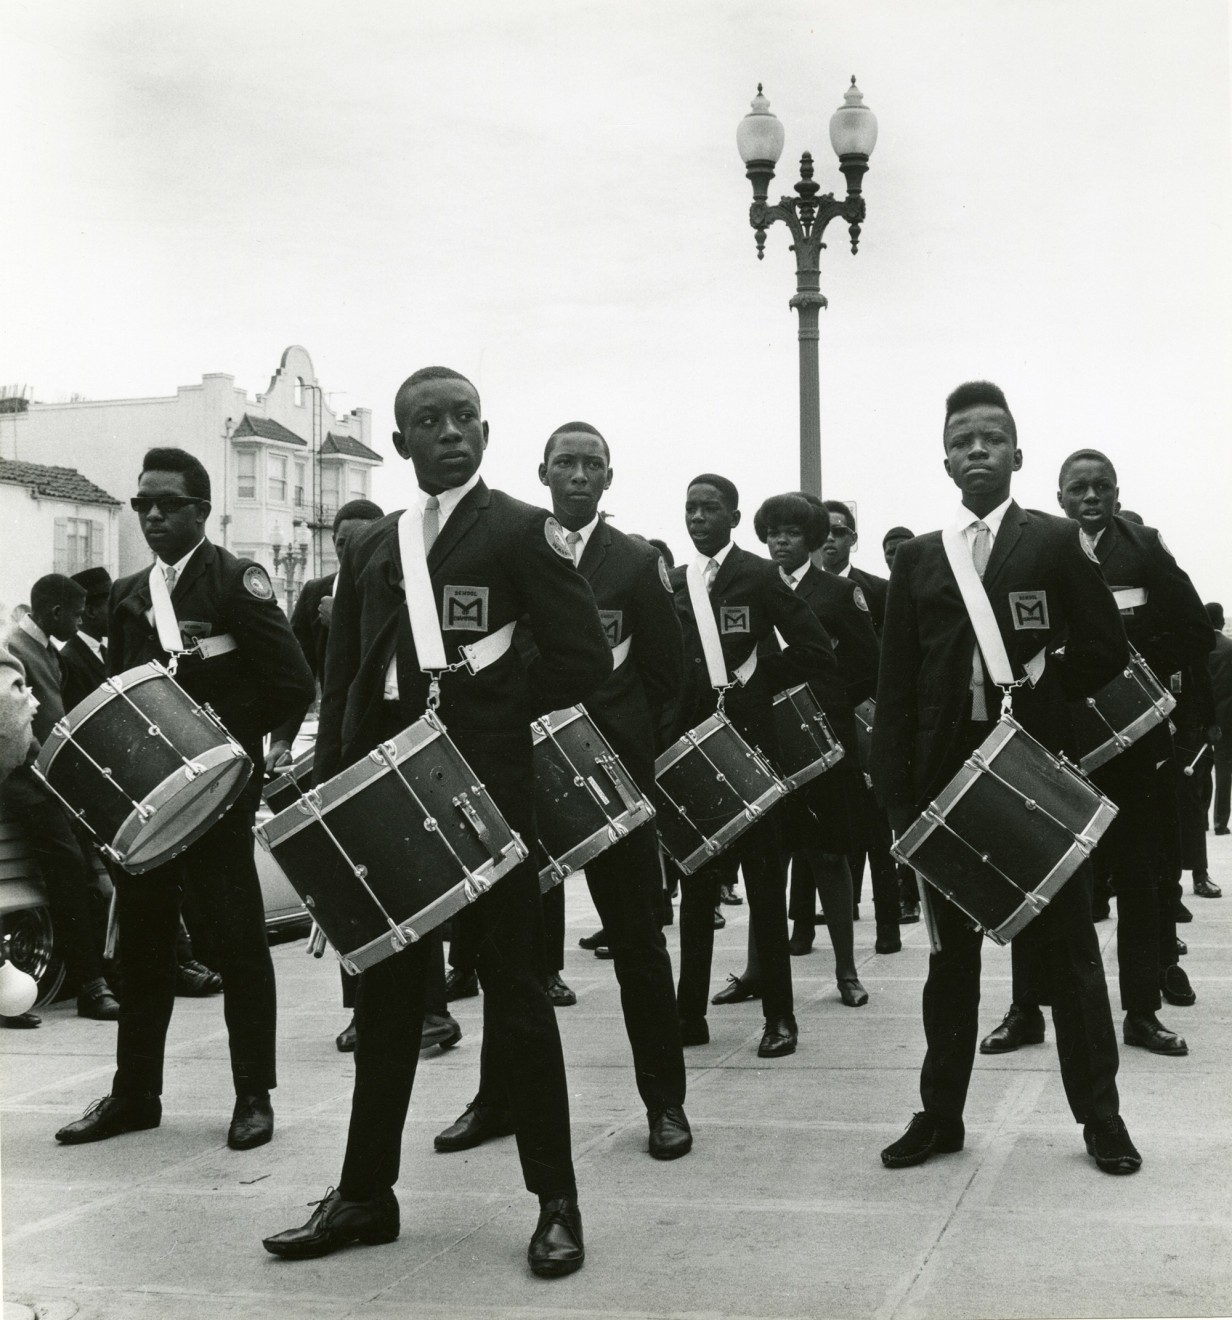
1129 598
620 652
420 599
975 598
165 623
708 631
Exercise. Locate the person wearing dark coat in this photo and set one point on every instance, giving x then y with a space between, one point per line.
1220 665
936 703
492 561
632 591
749 600
83 658
239 656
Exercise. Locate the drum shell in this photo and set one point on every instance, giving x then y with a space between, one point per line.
284 789
114 729
998 858
807 746
1125 708
710 786
420 875
575 822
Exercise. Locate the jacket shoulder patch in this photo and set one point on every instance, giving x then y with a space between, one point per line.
554 534
257 583
667 582
860 600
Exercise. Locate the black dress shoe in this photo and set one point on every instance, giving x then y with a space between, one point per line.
98 1003
1146 1030
908 912
736 992
1101 910
195 980
851 992
439 1029
719 920
476 1124
112 1115
337 1223
729 897
593 941
1181 947
345 1040
556 1247
1019 1027
670 1134
1183 914
925 1136
1205 887
1108 1143
888 940
1222 829
252 1122
1175 988
461 984
559 993
802 938
779 1038
22 1021
603 951
694 1031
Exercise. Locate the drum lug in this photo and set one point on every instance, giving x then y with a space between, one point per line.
463 803
192 769
475 886
430 823
1030 804
386 753
401 939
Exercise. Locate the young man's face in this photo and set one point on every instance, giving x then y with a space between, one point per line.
171 528
708 519
577 474
836 549
66 620
442 433
787 546
981 454
1089 494
890 549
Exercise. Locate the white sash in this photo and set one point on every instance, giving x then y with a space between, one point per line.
420 600
975 598
165 623
620 652
1129 598
707 628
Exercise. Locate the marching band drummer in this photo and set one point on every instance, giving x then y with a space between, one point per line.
247 665
936 703
492 560
634 597
748 600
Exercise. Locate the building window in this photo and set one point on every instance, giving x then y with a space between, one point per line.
301 472
299 391
276 469
246 475
79 545
358 482
331 488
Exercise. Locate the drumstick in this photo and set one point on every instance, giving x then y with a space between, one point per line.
1189 769
316 941
926 909
113 927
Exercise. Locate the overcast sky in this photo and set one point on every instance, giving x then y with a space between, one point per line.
548 197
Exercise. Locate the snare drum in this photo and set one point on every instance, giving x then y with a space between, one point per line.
711 786
1132 704
807 745
1007 831
585 799
394 845
143 766
291 783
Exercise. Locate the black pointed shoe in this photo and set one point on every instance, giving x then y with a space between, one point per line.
851 992
1205 887
461 984
112 1115
1146 1031
926 1135
556 1247
345 1039
737 991
1175 988
337 1223
439 1029
1019 1027
252 1122
694 1031
670 1134
779 1038
476 1124
559 993
1108 1144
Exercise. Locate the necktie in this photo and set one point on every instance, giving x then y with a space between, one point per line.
431 523
981 550
573 540
710 572
170 574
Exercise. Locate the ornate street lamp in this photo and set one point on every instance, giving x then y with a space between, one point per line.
290 562
759 137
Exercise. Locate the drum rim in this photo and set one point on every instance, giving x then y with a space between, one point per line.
90 705
814 769
688 741
163 797
727 835
352 780
543 725
1136 729
594 845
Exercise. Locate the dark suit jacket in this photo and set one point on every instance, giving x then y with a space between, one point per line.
251 689
81 671
1171 628
43 679
875 591
750 600
312 636
635 600
492 564
1220 661
920 736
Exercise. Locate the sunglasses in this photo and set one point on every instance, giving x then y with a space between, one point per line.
167 504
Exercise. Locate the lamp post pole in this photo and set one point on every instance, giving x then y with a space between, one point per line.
289 563
759 136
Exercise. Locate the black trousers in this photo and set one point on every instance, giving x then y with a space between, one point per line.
66 870
434 998
883 873
1063 948
1223 782
220 871
1193 795
760 854
505 930
626 886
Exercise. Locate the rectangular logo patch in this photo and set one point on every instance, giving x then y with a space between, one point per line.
733 619
465 609
611 625
1029 610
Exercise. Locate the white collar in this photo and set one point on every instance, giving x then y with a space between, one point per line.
965 520
793 579
719 556
93 643
448 500
1089 542
31 629
583 534
180 564
845 571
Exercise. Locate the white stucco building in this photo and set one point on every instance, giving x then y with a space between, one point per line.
280 463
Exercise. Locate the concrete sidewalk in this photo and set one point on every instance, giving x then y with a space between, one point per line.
783 1208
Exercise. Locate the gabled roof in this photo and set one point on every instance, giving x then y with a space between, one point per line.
348 448
262 428
54 483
